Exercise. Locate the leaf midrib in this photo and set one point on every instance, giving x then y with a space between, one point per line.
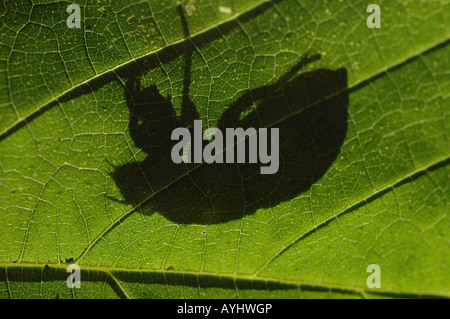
286 284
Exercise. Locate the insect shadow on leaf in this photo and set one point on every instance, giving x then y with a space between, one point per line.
310 110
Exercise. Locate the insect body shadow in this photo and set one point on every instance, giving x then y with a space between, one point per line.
310 111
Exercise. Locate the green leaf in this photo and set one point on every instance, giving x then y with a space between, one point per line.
86 175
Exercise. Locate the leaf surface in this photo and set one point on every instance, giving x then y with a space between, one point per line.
363 179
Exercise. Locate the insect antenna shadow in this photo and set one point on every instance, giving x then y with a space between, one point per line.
151 122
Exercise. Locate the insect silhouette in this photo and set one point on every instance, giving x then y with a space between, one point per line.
310 110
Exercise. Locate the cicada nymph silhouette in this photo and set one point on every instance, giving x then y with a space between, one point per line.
309 109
